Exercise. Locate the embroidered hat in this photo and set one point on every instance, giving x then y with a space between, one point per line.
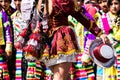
102 54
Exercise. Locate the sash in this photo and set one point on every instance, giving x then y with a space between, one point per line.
2 41
105 24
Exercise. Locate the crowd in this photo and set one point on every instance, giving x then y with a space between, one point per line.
60 40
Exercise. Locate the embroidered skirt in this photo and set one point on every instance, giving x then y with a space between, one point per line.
62 47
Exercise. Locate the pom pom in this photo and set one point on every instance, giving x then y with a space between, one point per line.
23 32
18 45
30 49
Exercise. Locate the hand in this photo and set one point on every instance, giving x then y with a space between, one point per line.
8 50
104 38
8 53
85 59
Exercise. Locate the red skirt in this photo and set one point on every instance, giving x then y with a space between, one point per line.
63 46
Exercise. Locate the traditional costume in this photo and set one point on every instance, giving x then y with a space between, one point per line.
62 44
5 44
84 38
109 23
29 43
18 25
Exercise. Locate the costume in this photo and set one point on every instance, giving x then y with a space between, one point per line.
11 61
109 24
99 71
28 41
10 11
62 44
18 26
84 38
5 44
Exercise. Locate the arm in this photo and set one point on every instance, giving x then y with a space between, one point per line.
8 36
90 25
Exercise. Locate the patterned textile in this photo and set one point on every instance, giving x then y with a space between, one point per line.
7 27
2 41
38 71
4 74
62 37
48 74
18 75
80 72
30 71
111 73
5 37
18 24
5 44
84 38
118 66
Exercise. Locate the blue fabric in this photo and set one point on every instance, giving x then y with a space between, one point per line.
99 71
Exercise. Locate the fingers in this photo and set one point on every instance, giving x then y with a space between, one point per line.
104 38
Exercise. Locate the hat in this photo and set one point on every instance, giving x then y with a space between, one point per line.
102 54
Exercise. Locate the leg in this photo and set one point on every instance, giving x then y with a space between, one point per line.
61 71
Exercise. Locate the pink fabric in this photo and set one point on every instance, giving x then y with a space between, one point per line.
92 8
106 25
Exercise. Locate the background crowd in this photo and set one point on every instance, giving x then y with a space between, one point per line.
51 39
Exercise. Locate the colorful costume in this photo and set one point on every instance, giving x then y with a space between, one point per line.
11 61
5 44
62 44
18 26
84 38
109 23
28 42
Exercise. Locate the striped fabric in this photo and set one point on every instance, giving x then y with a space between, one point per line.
4 75
18 65
48 74
118 66
30 71
39 71
80 72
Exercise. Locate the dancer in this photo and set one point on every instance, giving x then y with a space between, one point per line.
62 45
84 68
59 39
